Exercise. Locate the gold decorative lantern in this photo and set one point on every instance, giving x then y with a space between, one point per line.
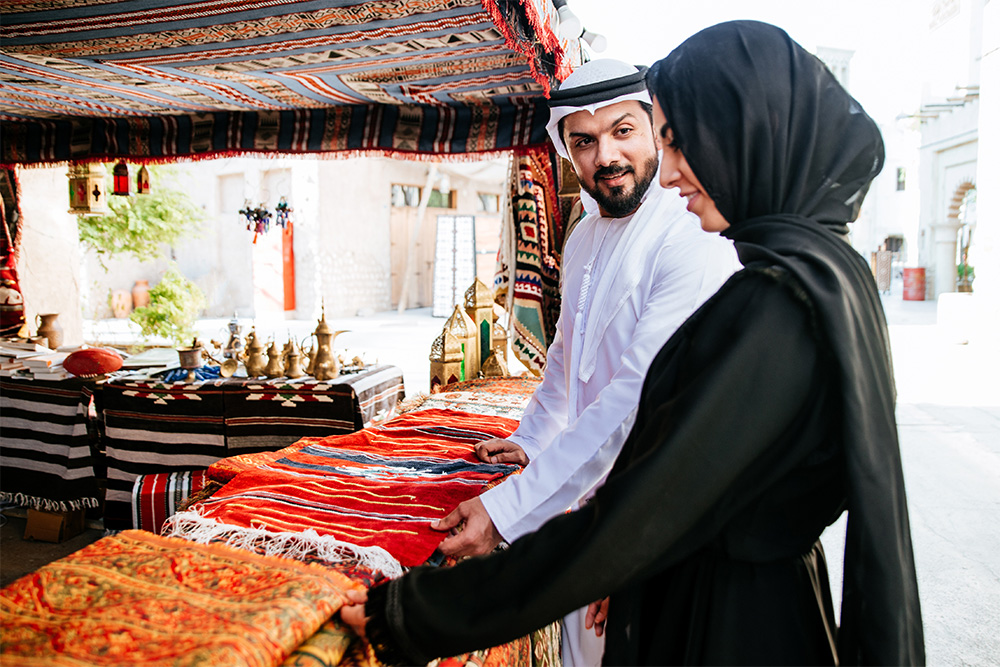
495 367
86 190
463 329
500 342
479 306
447 360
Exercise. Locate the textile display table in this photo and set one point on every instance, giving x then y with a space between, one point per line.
155 427
47 451
287 576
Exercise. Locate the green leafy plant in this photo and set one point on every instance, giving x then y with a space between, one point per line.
966 272
141 225
174 304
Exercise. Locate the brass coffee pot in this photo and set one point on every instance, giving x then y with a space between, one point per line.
275 366
293 361
323 364
255 361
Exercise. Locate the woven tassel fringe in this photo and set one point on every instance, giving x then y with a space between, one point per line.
45 504
191 525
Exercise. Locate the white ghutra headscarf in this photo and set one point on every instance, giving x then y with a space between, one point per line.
592 86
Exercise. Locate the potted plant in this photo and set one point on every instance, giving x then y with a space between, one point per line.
966 274
174 305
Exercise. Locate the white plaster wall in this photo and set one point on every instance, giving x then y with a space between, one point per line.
342 239
886 210
352 250
352 255
49 264
951 53
948 157
987 242
216 257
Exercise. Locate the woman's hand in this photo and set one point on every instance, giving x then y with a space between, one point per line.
597 616
354 613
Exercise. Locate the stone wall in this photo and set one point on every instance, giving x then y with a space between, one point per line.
49 261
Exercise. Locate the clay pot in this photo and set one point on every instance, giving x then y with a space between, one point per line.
140 294
49 327
121 303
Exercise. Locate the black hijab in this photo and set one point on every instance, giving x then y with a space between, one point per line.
787 155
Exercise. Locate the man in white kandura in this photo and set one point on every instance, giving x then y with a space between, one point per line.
634 269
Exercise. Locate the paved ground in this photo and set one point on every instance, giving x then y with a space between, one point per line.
948 411
949 423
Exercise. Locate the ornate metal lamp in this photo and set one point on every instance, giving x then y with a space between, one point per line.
120 180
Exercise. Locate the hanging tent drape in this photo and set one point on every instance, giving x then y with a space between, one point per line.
162 80
154 80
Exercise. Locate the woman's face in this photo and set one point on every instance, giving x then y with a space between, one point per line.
675 172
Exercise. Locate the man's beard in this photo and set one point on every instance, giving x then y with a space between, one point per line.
618 202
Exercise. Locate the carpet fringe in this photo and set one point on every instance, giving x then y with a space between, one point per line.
191 525
45 504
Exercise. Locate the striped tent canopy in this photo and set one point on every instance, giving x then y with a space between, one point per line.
154 80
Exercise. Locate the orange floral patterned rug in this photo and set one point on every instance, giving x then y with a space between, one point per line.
139 599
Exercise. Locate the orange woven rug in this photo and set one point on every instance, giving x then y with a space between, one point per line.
376 489
139 599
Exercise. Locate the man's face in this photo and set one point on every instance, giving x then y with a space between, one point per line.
613 152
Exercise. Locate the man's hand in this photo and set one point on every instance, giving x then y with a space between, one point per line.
354 614
472 530
597 616
498 450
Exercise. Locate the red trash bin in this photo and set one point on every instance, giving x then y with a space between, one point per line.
913 284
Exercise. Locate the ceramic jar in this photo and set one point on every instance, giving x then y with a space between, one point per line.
49 327
121 303
140 294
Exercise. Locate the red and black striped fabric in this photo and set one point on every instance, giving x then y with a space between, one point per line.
156 497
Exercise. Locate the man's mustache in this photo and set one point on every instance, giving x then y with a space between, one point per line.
612 171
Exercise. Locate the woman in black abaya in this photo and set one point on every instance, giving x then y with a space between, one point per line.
767 414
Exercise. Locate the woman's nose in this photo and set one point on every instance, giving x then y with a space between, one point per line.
669 173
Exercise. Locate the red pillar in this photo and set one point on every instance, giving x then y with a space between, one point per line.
288 264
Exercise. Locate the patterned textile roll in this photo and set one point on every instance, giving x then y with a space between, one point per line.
156 497
141 599
156 427
45 444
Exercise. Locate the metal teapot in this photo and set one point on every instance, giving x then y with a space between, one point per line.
293 361
323 364
255 361
275 364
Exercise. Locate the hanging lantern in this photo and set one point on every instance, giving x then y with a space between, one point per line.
121 184
86 189
283 213
142 181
